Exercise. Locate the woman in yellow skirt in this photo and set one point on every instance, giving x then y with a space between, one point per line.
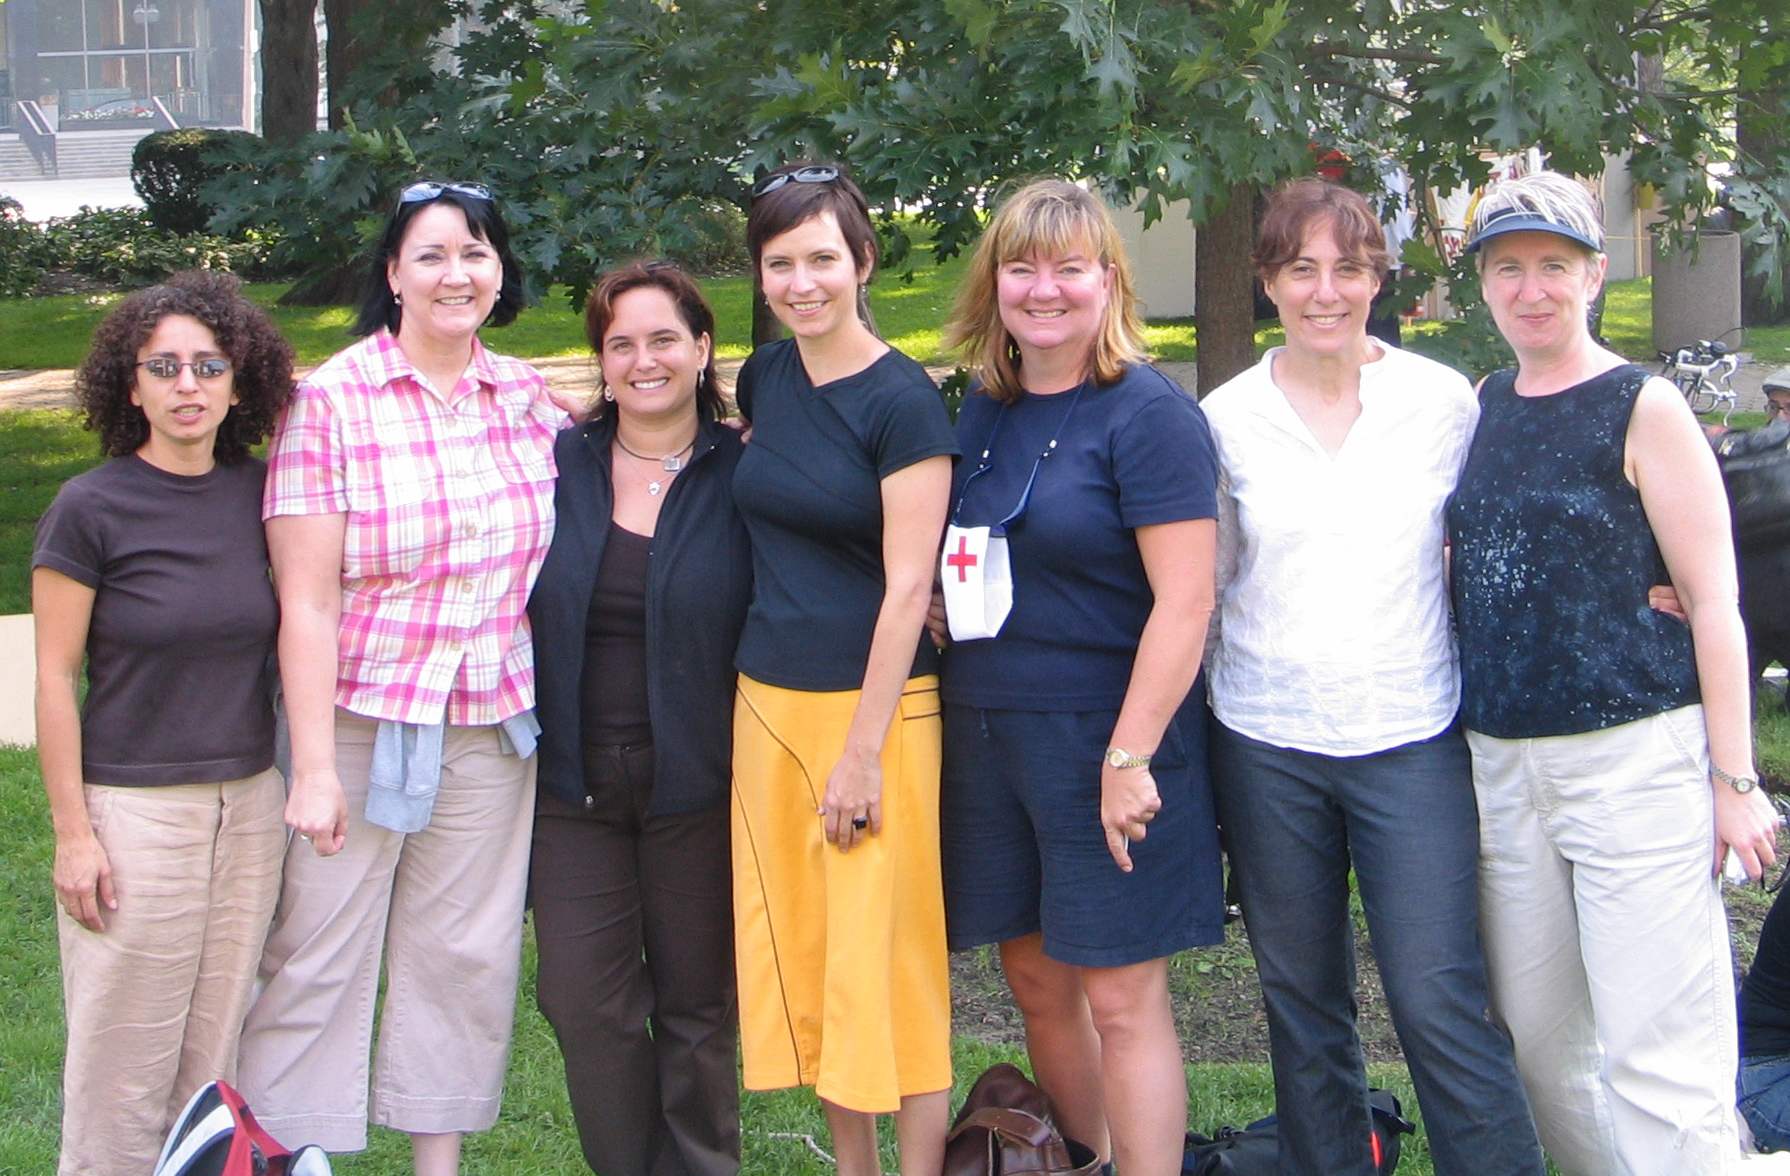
837 900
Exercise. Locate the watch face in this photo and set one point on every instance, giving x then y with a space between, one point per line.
1742 784
1115 757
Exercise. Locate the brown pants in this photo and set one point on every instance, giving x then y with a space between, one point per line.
634 922
444 908
156 1000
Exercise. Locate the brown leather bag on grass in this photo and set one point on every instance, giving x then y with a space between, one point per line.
1008 1127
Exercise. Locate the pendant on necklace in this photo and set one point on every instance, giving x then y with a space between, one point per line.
653 489
672 463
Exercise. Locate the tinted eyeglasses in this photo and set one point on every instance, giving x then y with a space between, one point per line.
819 173
430 189
164 368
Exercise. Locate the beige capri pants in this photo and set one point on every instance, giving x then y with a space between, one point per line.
155 1001
443 906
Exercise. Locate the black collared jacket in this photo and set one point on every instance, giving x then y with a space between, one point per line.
699 582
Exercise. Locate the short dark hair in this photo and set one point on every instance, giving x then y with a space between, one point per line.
377 306
260 362
781 210
699 320
1299 206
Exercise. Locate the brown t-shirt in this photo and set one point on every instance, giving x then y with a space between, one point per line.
179 650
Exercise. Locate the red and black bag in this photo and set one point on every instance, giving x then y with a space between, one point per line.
216 1135
1255 1150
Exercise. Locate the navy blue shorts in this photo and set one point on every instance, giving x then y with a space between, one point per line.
1024 850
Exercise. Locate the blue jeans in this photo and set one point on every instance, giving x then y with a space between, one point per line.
1294 822
1765 1100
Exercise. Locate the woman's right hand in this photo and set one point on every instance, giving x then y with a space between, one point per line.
936 624
1128 803
83 876
317 811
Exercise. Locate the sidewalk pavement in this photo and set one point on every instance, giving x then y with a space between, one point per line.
54 387
43 199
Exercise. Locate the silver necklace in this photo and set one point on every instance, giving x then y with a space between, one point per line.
671 463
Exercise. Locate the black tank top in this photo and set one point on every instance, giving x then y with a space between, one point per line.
1553 558
614 684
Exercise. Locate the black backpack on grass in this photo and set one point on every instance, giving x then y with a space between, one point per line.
1255 1150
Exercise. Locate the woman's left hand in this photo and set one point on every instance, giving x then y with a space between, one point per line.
1128 803
570 403
852 806
1747 822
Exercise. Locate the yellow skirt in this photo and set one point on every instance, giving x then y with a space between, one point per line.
843 978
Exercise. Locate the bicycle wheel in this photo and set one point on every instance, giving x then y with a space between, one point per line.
1702 399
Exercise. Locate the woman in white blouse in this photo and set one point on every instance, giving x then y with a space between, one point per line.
1334 686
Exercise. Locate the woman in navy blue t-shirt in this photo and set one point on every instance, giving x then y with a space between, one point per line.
1078 827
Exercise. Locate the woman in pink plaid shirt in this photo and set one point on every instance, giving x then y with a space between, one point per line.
409 506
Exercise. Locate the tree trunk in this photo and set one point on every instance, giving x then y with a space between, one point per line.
349 47
339 286
1759 133
765 327
288 70
1224 290
361 31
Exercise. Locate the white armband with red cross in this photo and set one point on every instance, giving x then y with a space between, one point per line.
978 581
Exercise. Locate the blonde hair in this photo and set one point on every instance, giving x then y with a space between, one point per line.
1046 218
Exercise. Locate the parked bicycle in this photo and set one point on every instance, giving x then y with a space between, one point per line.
1704 373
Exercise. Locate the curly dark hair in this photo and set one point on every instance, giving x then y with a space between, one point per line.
260 362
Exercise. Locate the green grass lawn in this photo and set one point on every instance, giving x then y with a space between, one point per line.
53 332
534 1134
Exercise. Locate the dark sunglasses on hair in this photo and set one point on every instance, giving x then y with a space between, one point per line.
163 368
430 189
817 174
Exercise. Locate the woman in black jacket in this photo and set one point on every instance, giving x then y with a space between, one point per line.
636 615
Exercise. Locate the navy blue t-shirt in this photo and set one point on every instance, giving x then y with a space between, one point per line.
1134 454
809 487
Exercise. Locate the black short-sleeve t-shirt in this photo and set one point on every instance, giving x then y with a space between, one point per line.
184 618
1134 454
809 487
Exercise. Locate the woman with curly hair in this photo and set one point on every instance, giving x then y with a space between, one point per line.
151 571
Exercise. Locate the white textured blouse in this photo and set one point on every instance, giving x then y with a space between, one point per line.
1333 619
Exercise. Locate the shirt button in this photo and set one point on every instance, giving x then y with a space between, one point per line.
472 530
466 587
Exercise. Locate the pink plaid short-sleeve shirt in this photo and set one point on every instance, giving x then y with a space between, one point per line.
450 511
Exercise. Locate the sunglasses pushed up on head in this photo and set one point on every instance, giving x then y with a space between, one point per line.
819 173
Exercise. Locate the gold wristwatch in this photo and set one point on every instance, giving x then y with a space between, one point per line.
1124 759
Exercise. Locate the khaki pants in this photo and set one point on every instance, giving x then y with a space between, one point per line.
444 908
155 1001
1607 944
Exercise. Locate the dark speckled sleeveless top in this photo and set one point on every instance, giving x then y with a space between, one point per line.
1553 558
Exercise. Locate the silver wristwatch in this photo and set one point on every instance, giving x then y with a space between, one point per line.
1742 784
